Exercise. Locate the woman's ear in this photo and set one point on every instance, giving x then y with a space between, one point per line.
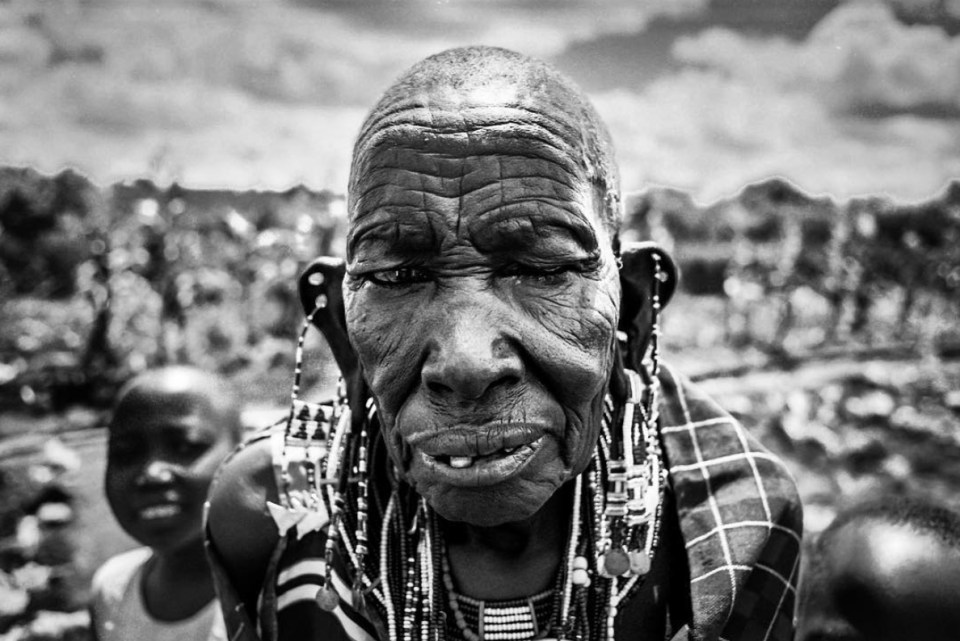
637 277
321 289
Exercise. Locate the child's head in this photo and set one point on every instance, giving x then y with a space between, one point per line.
884 571
170 430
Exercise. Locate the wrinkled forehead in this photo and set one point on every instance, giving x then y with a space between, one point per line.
500 121
512 109
493 159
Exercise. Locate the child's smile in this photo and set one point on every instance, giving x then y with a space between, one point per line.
164 450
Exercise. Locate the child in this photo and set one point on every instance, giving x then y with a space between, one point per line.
887 570
170 430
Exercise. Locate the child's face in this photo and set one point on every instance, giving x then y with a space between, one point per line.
163 451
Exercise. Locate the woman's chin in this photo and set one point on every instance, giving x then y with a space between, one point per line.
488 507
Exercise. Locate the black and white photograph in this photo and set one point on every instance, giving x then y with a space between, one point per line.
479 320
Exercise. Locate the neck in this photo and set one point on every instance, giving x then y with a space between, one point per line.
511 560
177 584
188 561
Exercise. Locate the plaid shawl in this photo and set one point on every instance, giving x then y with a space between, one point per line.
740 517
738 512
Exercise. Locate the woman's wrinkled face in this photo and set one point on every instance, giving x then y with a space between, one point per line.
482 297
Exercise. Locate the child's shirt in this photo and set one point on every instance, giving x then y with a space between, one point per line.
119 613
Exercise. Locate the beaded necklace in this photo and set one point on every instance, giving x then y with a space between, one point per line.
406 578
516 619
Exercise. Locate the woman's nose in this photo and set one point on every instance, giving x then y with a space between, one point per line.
470 358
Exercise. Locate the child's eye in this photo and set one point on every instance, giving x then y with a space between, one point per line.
190 448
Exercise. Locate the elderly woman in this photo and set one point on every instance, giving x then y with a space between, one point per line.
508 458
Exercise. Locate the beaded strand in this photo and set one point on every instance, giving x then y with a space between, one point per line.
514 620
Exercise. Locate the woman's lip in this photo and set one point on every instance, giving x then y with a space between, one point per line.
476 441
483 470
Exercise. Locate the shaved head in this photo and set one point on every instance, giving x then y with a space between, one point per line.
491 99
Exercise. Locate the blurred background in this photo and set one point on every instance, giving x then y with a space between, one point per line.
168 169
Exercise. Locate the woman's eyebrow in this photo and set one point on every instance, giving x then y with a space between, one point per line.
404 234
511 229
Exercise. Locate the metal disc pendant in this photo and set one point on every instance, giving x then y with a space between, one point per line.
327 599
615 562
639 562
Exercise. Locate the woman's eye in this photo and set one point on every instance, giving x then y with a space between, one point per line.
399 277
540 275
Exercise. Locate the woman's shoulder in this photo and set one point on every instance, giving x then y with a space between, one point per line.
241 535
238 520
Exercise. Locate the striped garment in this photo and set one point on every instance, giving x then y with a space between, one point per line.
726 570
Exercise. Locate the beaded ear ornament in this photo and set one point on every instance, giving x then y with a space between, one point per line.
301 451
635 473
627 478
311 475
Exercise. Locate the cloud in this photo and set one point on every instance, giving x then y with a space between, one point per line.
538 27
237 92
858 56
878 61
865 104
935 11
241 93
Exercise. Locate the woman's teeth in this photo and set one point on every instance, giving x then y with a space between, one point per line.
461 462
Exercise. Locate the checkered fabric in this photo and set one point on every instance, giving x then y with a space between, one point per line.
740 517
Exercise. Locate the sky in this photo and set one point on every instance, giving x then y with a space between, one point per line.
841 97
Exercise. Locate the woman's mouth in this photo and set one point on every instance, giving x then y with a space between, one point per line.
461 462
476 470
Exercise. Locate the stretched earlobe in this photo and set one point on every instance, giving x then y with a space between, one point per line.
321 292
642 264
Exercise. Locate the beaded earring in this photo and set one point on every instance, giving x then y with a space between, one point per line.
300 452
311 460
628 467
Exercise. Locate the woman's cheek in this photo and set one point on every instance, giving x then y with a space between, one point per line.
386 345
365 328
583 320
